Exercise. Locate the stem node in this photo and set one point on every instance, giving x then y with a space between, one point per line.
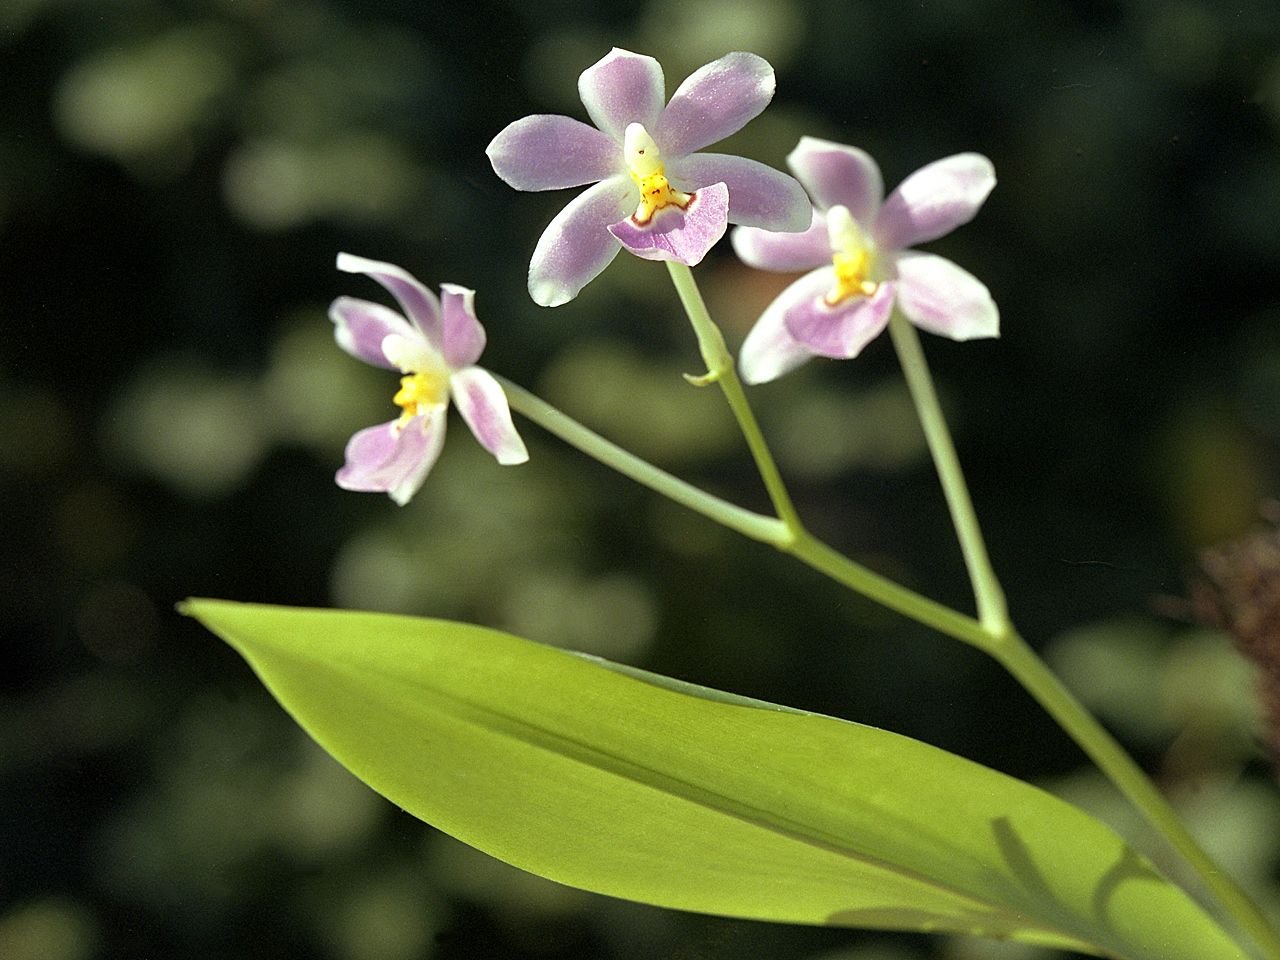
705 380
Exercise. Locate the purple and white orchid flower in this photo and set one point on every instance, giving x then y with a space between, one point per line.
652 193
435 345
858 246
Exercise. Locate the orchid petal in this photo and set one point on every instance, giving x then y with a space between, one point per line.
938 296
759 196
681 235
784 252
842 330
770 350
577 245
463 335
835 174
549 152
418 303
394 458
483 405
360 327
715 101
622 88
934 200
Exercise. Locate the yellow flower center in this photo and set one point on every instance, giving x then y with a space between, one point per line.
425 385
644 163
419 393
853 256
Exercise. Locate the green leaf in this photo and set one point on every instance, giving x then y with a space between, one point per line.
621 782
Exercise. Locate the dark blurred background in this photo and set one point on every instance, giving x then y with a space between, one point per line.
176 177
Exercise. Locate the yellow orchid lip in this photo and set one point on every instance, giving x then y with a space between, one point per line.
425 386
852 276
420 393
644 163
853 257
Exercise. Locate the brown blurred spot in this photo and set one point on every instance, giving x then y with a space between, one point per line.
1238 590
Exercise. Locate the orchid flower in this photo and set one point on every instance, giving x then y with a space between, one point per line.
435 345
858 246
652 193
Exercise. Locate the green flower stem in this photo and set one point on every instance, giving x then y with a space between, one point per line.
808 549
992 609
1003 643
1016 656
754 525
802 544
721 369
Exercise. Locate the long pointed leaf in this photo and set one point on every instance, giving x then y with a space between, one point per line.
623 783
